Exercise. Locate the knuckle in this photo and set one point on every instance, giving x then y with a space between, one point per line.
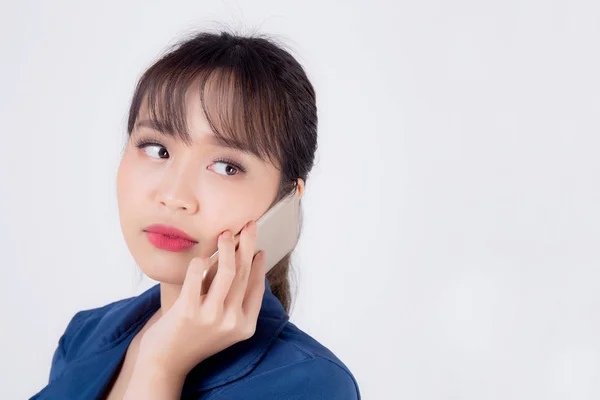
228 272
244 270
249 330
209 318
230 323
185 321
189 314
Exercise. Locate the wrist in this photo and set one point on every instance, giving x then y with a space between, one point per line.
148 366
150 380
160 364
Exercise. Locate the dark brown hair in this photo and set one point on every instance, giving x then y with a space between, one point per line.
255 96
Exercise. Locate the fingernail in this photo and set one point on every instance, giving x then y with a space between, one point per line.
226 235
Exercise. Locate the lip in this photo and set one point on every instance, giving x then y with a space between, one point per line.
169 231
166 237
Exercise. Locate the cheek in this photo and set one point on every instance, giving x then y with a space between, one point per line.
133 184
223 210
218 210
126 181
134 178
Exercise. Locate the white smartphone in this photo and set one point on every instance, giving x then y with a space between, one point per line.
277 233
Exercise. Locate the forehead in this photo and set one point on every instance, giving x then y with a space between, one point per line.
197 130
212 109
201 135
196 122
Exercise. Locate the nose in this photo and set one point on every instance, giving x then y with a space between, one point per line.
176 193
174 203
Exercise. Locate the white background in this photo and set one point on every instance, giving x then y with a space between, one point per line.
450 245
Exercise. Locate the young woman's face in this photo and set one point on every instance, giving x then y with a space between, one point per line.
187 187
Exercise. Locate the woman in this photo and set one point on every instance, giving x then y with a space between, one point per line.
220 128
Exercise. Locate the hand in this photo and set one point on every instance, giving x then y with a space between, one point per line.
199 325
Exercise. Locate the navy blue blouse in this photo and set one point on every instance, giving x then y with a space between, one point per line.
279 361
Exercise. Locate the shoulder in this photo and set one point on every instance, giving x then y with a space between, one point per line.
295 366
90 328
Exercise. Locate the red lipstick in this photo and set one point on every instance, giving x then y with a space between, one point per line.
169 238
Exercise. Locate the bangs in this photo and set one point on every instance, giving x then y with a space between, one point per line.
240 101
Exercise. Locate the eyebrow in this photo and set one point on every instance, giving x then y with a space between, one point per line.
216 141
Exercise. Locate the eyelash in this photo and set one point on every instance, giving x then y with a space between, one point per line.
229 161
142 143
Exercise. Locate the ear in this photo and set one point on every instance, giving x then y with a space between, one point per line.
300 186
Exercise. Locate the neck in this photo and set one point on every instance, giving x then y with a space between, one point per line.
168 295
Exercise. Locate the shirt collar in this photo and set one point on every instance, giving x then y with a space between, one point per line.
241 358
95 356
229 364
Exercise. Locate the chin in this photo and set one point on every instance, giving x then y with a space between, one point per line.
172 273
160 265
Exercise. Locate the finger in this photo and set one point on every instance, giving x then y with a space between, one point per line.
214 264
219 288
192 285
244 258
256 287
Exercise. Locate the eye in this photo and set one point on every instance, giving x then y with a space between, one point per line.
157 148
228 167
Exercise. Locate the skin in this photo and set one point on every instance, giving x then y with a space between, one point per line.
183 186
